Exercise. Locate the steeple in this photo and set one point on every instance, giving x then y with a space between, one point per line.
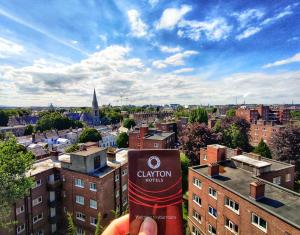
95 110
95 102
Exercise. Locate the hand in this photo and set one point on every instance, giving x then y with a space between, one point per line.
120 226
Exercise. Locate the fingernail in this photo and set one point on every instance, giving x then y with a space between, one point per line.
149 227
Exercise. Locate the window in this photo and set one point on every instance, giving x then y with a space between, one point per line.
93 204
232 205
93 187
20 210
124 172
97 162
125 201
124 187
277 180
195 231
259 222
197 199
212 230
80 200
288 177
196 216
80 216
156 145
37 218
40 232
212 192
231 226
93 221
63 178
205 157
212 211
117 178
80 231
117 193
79 183
37 183
20 228
197 182
37 201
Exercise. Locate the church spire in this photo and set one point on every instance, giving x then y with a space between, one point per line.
95 102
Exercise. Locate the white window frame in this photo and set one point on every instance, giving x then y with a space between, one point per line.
125 201
80 216
79 231
92 220
197 200
20 228
92 206
210 227
91 188
124 187
20 210
37 218
37 201
79 199
212 192
205 157
195 231
231 226
117 177
117 193
230 201
197 216
37 183
155 145
211 210
124 172
79 183
288 177
258 222
277 180
197 183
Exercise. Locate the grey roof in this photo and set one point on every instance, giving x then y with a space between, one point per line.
251 161
279 201
159 136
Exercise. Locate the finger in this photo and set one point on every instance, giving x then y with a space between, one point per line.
119 226
148 227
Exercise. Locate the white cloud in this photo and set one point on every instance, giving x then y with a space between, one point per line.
215 29
170 49
287 11
174 60
183 70
171 16
138 27
248 16
153 3
97 47
74 41
248 32
9 48
295 58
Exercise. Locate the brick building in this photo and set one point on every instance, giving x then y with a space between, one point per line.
263 130
225 197
168 127
151 138
83 183
149 117
250 115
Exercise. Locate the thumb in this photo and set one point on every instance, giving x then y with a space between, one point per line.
148 227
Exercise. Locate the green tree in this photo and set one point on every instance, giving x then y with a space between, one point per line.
89 134
128 123
263 149
233 137
184 170
99 227
230 113
72 148
122 140
3 118
295 114
14 164
28 130
198 115
71 226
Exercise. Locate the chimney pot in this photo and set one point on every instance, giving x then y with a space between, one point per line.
257 190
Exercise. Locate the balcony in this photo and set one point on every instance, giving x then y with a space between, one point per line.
52 219
53 185
52 203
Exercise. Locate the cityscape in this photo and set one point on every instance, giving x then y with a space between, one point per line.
85 85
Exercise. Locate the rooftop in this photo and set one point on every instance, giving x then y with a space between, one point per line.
88 151
278 201
159 136
251 161
43 165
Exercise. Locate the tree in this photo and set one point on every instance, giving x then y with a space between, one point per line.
71 226
89 134
128 123
198 115
72 148
195 136
230 113
122 140
14 163
263 149
3 118
184 170
99 227
295 114
28 130
285 145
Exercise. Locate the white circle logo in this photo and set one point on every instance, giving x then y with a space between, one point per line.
153 162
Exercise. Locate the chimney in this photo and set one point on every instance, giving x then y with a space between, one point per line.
213 169
111 154
237 152
54 155
257 190
33 137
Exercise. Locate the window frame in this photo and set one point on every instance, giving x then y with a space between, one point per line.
82 216
258 222
197 217
195 181
196 202
95 219
213 210
211 190
79 185
38 217
210 227
234 204
18 212
93 189
234 226
37 201
78 201
92 200
22 226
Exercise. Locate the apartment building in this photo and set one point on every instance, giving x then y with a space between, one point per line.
169 127
151 138
83 183
224 198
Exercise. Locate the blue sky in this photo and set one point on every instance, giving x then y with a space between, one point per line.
151 51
